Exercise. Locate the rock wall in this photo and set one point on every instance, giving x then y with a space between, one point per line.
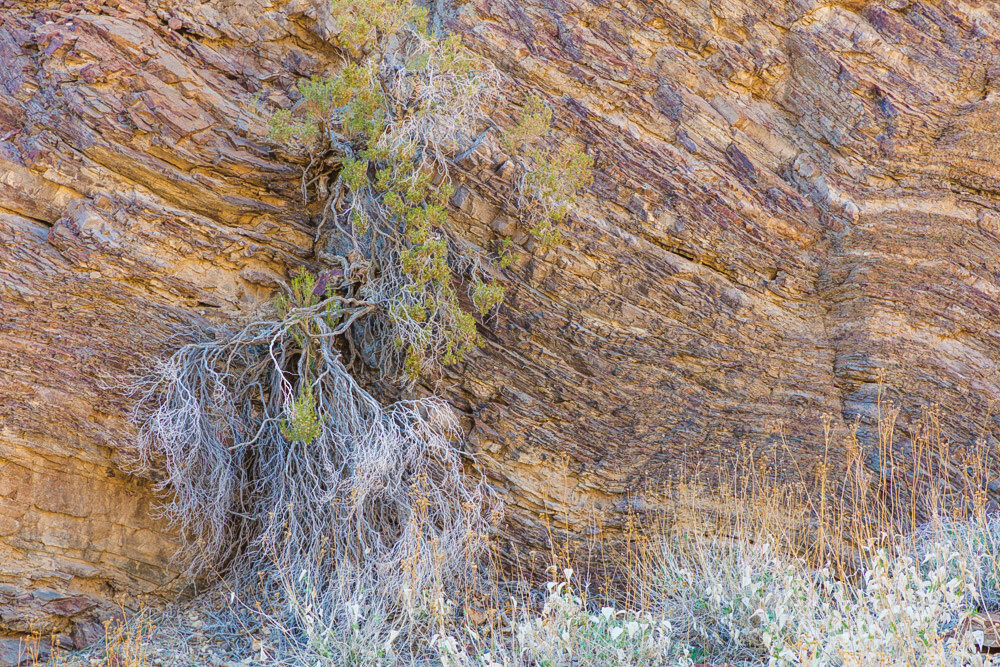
791 198
136 200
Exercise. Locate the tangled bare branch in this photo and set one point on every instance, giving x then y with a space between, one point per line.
295 481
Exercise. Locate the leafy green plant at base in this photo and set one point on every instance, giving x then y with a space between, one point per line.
302 424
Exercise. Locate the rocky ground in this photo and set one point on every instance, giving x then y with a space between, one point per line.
183 634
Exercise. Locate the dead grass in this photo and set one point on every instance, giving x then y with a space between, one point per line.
885 554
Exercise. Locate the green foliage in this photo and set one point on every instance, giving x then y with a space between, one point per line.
365 24
303 423
505 258
302 286
486 295
282 127
413 363
355 174
354 96
405 104
296 309
392 115
305 295
362 103
553 175
534 124
555 180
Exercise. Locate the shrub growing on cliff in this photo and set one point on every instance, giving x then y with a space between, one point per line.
389 127
318 501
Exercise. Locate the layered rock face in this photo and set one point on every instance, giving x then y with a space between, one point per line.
791 199
136 198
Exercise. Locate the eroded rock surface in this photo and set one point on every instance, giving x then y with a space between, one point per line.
791 198
136 198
